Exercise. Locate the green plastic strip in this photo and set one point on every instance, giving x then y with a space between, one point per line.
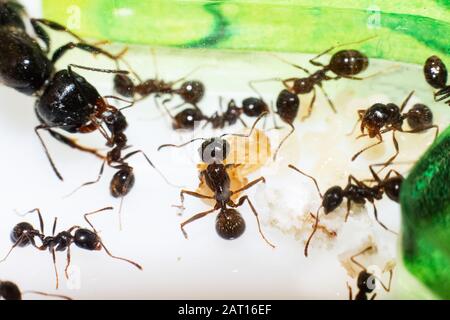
407 31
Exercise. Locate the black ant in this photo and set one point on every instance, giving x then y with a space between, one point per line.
435 73
24 234
65 99
229 222
10 291
381 118
366 281
358 192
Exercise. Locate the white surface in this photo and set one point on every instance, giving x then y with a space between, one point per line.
205 266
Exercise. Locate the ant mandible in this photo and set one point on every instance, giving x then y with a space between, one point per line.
65 99
229 222
435 73
366 281
355 191
24 234
381 118
10 291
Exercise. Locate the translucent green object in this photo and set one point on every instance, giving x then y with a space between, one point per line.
408 31
425 203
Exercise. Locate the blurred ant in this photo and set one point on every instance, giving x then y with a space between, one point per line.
191 92
10 291
229 222
366 281
381 118
24 234
358 192
435 73
65 99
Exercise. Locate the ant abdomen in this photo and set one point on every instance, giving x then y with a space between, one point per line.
392 188
288 104
123 85
122 182
229 224
254 107
332 199
18 233
87 239
419 116
348 62
191 91
10 291
435 72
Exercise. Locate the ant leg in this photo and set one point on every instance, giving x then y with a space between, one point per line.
388 287
249 185
307 175
290 63
54 226
192 194
315 63
394 140
361 113
47 294
283 140
188 74
21 238
70 66
41 221
353 258
36 130
328 98
350 294
68 263
423 129
375 213
356 155
94 212
240 203
405 102
349 205
90 182
442 94
43 35
120 258
58 54
262 115
316 225
73 144
373 297
54 266
193 218
310 107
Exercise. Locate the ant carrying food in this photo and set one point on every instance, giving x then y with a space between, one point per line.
229 222
65 99
24 234
366 281
10 291
356 191
381 118
435 73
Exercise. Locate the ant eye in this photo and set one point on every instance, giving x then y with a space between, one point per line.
214 150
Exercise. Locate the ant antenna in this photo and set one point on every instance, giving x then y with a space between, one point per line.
47 153
284 140
307 175
262 115
316 225
180 145
47 294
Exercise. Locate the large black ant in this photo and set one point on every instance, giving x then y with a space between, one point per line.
10 291
356 191
229 222
366 281
435 73
24 234
65 99
381 118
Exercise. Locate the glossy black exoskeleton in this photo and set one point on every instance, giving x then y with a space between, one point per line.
436 75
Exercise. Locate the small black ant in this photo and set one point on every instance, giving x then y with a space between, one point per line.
229 222
10 291
24 234
381 118
65 99
358 192
435 73
366 281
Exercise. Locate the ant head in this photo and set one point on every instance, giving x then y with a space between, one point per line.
287 106
366 282
392 187
115 121
348 62
419 116
187 118
254 107
20 231
435 72
87 239
332 198
375 118
122 182
123 85
229 224
10 291
303 85
192 91
214 150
